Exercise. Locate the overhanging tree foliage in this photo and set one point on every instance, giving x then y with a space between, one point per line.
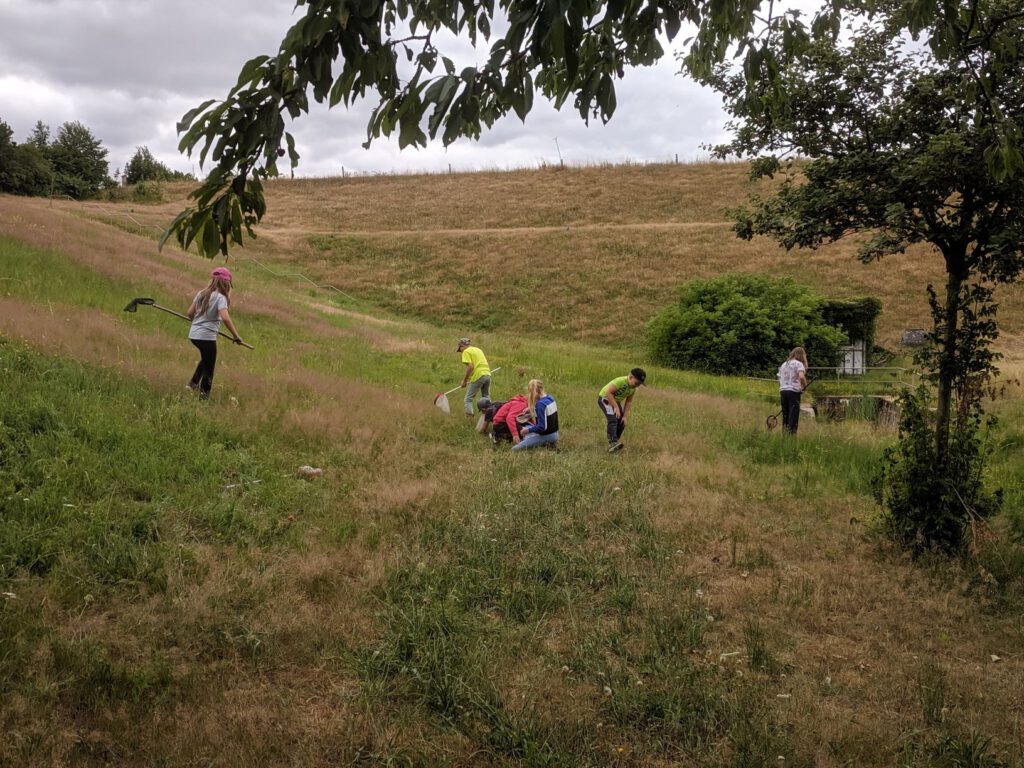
898 140
341 51
886 139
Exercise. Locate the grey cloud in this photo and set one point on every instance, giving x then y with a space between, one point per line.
129 70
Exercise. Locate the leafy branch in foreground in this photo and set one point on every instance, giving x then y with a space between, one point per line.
878 138
342 51
346 50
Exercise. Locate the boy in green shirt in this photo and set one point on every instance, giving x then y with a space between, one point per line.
478 374
615 401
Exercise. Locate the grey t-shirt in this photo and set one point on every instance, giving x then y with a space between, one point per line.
206 324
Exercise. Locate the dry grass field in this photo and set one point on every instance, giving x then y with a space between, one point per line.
485 250
712 596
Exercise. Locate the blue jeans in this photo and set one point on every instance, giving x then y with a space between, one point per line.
532 440
481 385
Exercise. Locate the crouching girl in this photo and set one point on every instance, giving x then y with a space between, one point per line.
544 431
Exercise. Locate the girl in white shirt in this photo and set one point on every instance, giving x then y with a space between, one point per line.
792 381
208 310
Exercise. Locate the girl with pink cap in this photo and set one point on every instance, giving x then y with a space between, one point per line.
208 309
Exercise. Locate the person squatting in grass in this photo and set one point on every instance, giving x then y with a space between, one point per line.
792 381
510 419
487 408
544 431
208 309
615 401
478 373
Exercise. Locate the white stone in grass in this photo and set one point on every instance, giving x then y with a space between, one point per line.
995 658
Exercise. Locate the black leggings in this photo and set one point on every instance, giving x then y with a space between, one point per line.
202 379
790 410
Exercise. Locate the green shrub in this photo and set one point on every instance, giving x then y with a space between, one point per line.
147 192
928 502
742 324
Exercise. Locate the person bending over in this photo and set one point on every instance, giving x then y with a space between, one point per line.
478 373
615 401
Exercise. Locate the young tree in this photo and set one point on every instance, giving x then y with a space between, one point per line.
144 167
79 161
40 136
895 142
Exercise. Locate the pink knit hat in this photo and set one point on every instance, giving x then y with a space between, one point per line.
222 272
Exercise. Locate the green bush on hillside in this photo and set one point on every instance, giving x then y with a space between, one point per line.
742 324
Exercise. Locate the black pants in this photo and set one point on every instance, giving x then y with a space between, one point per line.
501 432
615 425
202 379
790 410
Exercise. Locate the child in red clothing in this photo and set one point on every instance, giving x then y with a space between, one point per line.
510 418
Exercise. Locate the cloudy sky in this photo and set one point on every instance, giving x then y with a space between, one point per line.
129 69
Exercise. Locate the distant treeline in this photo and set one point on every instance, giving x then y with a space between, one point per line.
73 163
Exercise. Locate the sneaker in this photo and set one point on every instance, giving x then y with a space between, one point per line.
615 447
494 440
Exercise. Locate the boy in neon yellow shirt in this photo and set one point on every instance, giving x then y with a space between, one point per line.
615 401
478 373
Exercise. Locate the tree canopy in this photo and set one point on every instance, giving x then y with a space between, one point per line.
341 51
883 138
24 169
79 161
144 167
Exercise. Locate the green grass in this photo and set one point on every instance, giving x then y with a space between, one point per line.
430 601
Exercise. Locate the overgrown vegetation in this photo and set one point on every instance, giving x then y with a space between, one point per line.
906 149
712 596
742 325
932 502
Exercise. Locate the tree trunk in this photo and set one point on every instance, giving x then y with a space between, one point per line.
948 359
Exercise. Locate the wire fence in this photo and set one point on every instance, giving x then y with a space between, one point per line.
874 380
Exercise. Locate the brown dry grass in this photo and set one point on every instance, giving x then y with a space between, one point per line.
447 247
853 624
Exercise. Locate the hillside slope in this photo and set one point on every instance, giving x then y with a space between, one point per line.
584 254
174 594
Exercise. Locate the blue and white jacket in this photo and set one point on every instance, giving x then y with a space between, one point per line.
547 417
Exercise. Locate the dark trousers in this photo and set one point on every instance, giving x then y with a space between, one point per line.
790 410
501 432
202 379
615 425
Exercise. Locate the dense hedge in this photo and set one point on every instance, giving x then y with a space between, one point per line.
742 324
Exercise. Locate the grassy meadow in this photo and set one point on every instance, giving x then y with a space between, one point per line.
173 593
